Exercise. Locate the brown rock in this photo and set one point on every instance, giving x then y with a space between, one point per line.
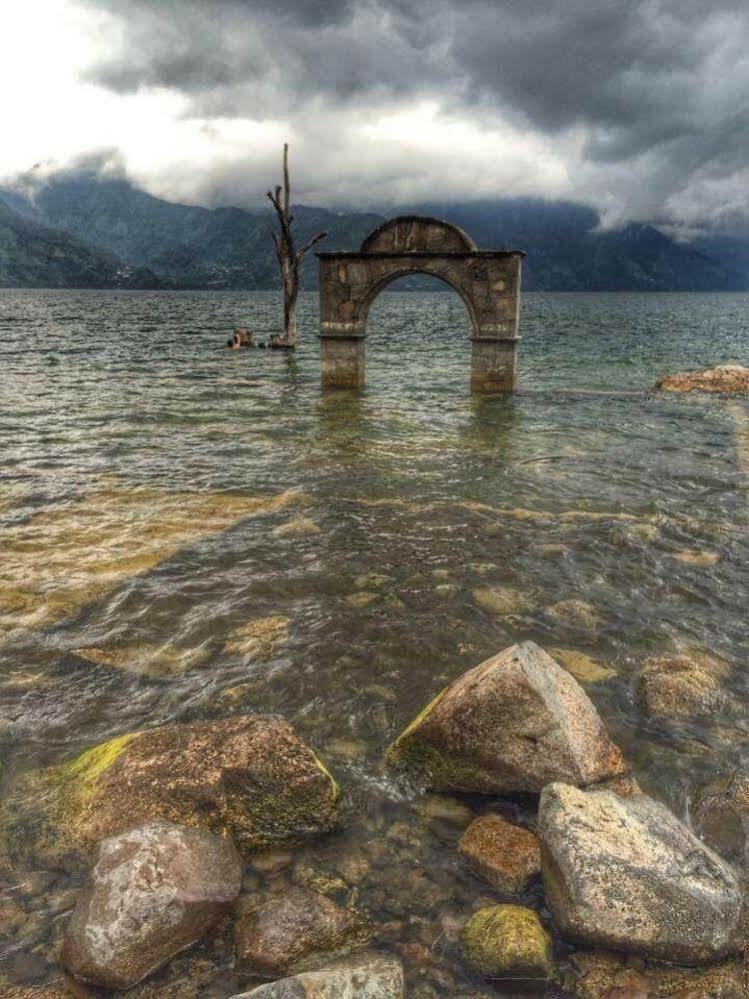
288 933
154 891
604 972
507 857
723 378
250 776
513 724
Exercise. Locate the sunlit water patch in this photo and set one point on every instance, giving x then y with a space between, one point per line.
189 532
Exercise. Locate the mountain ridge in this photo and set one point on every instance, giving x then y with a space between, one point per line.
113 234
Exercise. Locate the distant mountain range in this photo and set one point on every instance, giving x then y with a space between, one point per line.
88 231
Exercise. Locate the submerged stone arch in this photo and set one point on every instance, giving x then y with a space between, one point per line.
488 281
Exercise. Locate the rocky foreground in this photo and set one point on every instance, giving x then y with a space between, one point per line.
169 820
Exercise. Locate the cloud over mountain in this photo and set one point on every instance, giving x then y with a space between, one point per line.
639 108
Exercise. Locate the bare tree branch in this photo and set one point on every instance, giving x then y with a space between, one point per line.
289 258
310 243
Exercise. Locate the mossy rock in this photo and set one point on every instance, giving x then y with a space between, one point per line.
249 778
507 941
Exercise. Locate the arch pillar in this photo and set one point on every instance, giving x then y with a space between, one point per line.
487 281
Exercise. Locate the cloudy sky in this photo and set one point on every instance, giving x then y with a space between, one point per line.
640 107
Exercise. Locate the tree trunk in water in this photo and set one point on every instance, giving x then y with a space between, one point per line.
289 258
289 316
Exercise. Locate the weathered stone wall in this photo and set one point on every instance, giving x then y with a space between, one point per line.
414 234
487 281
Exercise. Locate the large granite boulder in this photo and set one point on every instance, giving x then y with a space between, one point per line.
625 873
248 776
368 975
289 932
512 724
722 378
154 891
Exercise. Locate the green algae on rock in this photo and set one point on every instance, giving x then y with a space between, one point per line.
249 778
507 941
510 725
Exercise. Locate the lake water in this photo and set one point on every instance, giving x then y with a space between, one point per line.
149 574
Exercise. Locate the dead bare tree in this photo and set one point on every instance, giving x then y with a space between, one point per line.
289 258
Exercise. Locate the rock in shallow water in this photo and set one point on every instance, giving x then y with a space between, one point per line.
507 941
286 933
512 724
368 975
677 687
723 378
625 873
250 776
505 856
154 891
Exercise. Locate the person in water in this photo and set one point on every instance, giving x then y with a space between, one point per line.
236 341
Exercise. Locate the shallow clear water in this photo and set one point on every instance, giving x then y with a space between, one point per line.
142 580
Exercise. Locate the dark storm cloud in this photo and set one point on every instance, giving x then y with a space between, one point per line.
658 88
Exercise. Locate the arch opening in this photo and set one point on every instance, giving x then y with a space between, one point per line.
438 283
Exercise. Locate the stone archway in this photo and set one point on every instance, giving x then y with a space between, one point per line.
488 281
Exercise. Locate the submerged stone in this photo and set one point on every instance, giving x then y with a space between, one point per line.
722 378
578 614
625 873
610 975
507 941
722 816
145 658
293 930
248 776
260 638
154 891
505 856
300 527
582 666
677 687
57 561
501 600
369 975
510 725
